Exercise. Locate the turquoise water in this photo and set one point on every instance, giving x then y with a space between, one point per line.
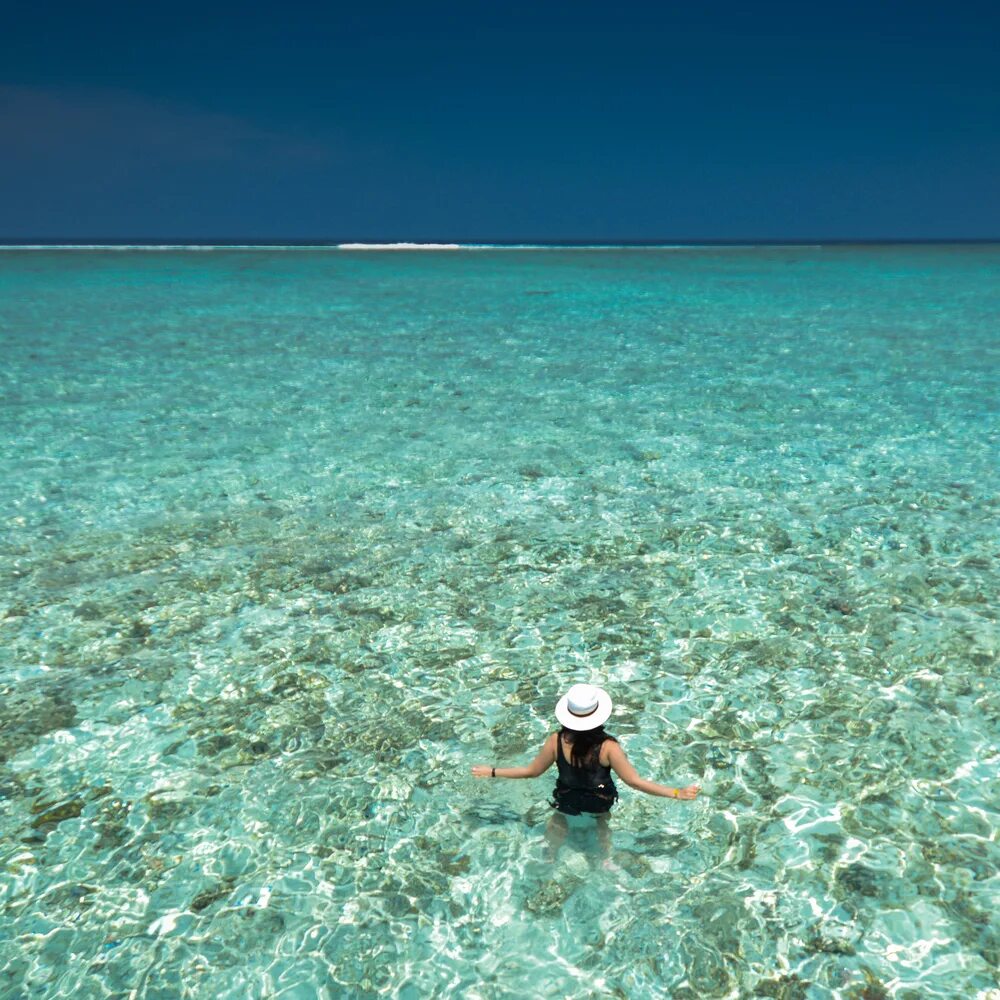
292 539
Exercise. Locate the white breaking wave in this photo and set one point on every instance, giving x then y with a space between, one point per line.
400 246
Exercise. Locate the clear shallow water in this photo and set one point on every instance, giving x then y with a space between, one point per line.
291 540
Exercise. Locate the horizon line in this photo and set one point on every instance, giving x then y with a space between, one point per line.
368 246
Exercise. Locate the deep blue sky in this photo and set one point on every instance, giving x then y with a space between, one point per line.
500 121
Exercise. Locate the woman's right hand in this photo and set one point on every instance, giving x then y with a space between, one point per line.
482 771
691 792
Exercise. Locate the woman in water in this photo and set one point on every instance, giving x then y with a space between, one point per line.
585 755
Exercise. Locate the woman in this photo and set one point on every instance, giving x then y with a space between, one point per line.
585 755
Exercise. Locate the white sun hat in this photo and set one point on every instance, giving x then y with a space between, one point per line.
584 707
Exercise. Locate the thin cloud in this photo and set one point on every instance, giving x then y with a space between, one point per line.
42 124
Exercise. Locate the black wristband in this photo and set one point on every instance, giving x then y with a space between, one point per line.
494 773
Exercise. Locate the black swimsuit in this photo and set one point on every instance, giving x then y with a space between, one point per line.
587 789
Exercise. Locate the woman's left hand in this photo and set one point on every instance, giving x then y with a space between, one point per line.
482 771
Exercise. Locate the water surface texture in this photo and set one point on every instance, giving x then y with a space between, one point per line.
290 540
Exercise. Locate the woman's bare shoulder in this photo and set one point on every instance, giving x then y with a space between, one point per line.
610 749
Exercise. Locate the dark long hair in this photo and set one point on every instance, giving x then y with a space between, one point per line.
584 743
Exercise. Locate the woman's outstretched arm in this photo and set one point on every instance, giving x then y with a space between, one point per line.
623 768
544 760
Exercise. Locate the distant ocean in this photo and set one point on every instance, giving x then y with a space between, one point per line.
292 540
